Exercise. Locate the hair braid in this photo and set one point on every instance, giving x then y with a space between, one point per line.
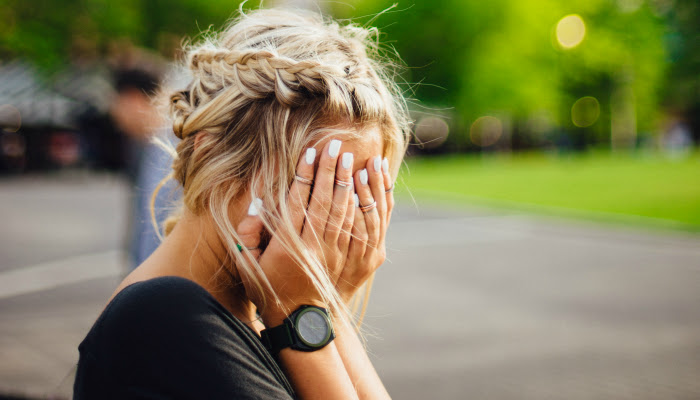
259 73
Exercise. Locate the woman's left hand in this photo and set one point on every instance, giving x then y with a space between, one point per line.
367 249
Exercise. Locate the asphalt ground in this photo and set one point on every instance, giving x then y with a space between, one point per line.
471 303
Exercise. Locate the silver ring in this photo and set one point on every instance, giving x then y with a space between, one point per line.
343 184
369 207
303 180
391 189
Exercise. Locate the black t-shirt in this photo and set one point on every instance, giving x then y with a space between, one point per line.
168 338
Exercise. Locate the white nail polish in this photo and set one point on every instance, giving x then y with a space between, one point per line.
363 176
357 200
385 165
347 160
255 206
377 163
310 155
334 148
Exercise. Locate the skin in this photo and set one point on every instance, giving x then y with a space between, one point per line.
341 369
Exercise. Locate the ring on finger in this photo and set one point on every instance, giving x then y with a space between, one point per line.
369 207
343 184
303 180
391 189
240 247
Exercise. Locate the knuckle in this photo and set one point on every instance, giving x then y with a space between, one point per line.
328 168
365 271
381 256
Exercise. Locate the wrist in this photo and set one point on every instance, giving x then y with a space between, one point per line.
309 328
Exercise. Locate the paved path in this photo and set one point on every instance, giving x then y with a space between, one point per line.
470 305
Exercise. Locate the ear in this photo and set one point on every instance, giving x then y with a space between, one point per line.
198 137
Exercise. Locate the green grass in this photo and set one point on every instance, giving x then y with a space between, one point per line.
624 186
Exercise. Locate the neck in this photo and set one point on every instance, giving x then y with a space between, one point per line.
193 250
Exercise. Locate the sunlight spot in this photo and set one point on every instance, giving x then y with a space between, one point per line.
431 132
10 118
570 31
585 111
486 131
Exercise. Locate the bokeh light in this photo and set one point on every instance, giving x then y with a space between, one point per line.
570 31
585 111
629 6
431 132
10 118
486 131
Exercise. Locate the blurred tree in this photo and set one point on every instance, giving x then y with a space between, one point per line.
53 32
500 58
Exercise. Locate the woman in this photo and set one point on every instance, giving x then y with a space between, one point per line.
286 116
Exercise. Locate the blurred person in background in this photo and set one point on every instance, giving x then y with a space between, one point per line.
146 164
250 293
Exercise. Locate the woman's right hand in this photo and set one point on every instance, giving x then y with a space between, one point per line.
367 250
323 221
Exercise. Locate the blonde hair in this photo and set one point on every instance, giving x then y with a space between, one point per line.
270 85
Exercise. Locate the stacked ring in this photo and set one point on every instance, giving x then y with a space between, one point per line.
368 207
343 184
303 180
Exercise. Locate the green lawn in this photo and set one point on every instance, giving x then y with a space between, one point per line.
600 185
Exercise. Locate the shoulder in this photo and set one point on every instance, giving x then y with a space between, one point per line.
153 307
167 324
168 333
161 294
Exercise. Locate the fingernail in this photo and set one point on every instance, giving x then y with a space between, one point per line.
255 206
357 200
310 155
385 165
377 163
363 176
347 160
334 148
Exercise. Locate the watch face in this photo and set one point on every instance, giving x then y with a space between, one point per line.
312 327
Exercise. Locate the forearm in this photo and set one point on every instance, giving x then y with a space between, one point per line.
319 374
364 377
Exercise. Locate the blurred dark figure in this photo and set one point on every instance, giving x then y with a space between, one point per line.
12 151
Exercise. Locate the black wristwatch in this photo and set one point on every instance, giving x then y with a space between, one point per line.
309 328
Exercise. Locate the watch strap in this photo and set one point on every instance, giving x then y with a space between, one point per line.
277 338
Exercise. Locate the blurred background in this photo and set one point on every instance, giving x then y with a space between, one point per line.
545 243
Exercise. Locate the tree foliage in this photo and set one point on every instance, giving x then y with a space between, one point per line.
478 58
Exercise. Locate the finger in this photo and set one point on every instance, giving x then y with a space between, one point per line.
345 235
301 188
341 195
388 191
322 194
376 184
371 216
359 237
250 230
